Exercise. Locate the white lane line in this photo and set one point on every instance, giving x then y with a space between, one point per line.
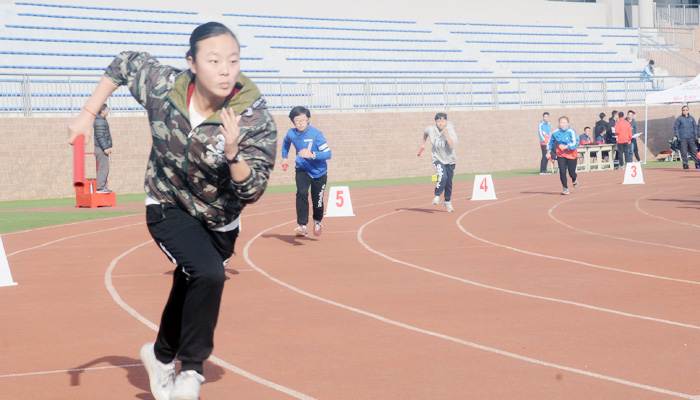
246 256
236 370
550 212
64 371
70 224
531 253
636 205
498 289
72 237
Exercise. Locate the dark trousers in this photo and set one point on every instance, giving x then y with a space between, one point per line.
564 164
318 186
190 315
102 168
623 154
444 173
544 160
688 144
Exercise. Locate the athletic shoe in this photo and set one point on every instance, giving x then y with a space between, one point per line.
187 386
448 206
576 184
565 191
317 228
301 231
160 375
436 200
686 166
544 173
104 191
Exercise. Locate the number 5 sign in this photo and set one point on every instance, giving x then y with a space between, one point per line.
339 203
483 188
633 174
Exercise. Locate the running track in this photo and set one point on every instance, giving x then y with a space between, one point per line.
532 296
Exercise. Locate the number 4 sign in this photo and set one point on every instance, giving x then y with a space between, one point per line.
633 174
483 188
339 203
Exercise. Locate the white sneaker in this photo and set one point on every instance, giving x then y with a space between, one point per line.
318 228
436 200
160 375
565 191
448 206
301 230
187 386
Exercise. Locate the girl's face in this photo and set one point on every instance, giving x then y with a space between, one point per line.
563 124
441 123
217 65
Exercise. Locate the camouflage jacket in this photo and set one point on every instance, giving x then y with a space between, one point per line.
188 167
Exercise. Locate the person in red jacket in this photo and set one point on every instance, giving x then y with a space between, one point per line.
623 130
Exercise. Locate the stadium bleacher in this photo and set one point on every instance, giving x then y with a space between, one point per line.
71 40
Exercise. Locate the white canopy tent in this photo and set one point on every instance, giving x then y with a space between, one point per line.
688 92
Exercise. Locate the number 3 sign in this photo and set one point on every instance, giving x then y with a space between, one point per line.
633 174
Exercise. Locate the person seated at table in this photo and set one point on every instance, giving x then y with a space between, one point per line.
585 138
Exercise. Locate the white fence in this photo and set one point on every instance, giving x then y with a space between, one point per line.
60 94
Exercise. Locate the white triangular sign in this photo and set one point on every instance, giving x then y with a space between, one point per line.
5 275
483 188
339 203
633 174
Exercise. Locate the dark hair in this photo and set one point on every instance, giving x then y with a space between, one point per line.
205 31
546 113
621 114
440 115
602 115
631 112
104 107
564 117
614 113
588 127
651 62
298 110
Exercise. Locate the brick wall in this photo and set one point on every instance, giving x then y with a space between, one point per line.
37 161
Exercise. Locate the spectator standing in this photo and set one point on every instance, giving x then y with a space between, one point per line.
610 131
544 131
686 130
601 126
103 148
623 131
634 150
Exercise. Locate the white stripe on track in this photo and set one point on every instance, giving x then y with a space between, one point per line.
531 253
498 289
636 205
550 212
236 370
64 371
246 256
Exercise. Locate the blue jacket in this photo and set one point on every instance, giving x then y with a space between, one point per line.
567 137
313 140
544 130
685 127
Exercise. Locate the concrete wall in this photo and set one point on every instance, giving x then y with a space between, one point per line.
37 161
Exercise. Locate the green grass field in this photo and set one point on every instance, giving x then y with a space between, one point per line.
12 221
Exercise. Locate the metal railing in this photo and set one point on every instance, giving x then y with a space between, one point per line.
30 95
674 14
675 38
665 55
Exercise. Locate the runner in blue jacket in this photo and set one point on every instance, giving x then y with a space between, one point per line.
312 151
